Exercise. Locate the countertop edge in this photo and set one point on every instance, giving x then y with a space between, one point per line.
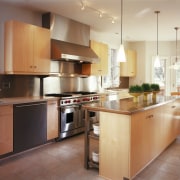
98 107
21 100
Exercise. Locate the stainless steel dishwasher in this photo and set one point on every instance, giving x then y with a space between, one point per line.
29 126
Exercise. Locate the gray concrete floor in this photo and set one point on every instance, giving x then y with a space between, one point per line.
65 161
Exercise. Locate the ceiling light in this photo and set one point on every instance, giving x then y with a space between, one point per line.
121 56
157 60
101 13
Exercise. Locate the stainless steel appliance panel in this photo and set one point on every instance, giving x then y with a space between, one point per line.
69 117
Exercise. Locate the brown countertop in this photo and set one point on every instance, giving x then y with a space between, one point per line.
20 100
127 106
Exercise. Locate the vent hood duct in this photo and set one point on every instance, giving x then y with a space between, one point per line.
69 39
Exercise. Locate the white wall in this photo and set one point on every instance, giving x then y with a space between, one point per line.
145 53
145 50
9 13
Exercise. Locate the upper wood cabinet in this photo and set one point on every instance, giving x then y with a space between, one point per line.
101 68
128 68
6 129
27 49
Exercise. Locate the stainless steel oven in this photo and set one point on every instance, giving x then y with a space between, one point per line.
70 121
71 113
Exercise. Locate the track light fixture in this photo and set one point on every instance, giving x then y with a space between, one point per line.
101 14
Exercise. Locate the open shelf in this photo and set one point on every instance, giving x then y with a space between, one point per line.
93 164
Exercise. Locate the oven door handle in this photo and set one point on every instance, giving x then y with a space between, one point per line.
72 108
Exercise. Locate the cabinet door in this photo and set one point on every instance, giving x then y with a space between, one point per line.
146 138
171 125
101 68
27 48
18 47
52 120
6 129
41 50
128 68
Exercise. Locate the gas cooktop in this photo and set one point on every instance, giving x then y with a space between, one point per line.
70 94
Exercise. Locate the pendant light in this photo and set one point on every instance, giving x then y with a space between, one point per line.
157 60
121 57
175 65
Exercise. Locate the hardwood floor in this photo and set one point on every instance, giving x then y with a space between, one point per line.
65 161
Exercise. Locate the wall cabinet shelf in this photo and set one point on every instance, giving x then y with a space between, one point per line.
128 68
101 68
27 49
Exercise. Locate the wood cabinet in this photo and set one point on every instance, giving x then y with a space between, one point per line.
101 68
52 120
27 49
128 68
6 129
114 147
146 138
171 123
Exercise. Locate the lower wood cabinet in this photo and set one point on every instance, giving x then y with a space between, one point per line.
6 129
52 120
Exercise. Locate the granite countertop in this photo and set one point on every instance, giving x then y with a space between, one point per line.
20 100
127 106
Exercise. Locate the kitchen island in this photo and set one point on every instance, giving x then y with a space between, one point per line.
132 134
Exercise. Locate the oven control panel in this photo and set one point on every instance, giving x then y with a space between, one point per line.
90 99
79 100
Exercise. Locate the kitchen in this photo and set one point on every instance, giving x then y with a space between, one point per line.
26 91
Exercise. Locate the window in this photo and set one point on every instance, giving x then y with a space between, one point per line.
112 79
160 75
175 74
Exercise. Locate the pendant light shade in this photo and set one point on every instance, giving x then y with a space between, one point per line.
121 56
176 66
157 60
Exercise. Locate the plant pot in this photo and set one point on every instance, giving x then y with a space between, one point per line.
145 98
135 96
155 94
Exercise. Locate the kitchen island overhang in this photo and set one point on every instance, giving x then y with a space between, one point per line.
132 134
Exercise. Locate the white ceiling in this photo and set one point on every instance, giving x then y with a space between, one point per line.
139 19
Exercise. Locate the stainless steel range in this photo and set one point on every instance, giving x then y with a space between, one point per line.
71 114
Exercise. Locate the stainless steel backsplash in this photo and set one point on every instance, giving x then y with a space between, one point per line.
23 86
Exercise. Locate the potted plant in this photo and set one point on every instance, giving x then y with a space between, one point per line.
135 90
155 89
146 89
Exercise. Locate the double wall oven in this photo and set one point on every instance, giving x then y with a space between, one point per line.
71 113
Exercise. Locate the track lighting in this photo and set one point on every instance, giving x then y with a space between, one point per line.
101 14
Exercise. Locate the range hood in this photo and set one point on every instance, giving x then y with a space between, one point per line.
69 39
61 50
